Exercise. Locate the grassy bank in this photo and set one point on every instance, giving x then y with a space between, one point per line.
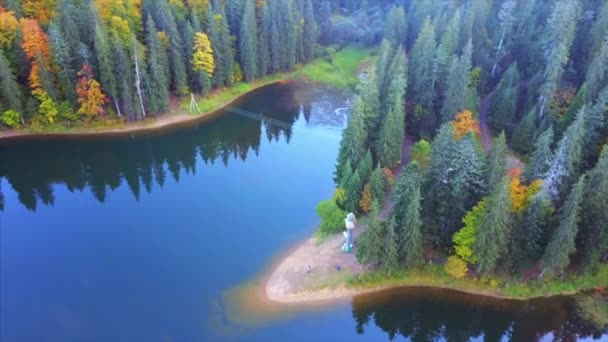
503 287
341 75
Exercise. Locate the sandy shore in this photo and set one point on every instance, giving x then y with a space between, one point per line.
175 118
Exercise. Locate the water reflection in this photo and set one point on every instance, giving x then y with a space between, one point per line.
430 314
101 165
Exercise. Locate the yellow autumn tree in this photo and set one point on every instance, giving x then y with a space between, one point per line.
465 123
366 198
8 28
202 58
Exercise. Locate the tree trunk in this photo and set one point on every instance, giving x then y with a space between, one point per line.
502 38
138 85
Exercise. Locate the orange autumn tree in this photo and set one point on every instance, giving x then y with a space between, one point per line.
36 47
366 198
520 193
90 96
465 123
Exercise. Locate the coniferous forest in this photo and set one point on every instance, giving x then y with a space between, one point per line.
479 133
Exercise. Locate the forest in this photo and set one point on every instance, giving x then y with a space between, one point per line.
477 135
487 122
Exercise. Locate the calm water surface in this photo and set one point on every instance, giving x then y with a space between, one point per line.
140 238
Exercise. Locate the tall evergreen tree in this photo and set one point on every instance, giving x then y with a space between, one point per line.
395 30
530 231
494 231
458 83
392 131
497 161
157 70
177 62
354 187
370 245
594 212
539 161
525 132
559 35
507 21
390 259
249 41
504 100
422 65
104 54
448 46
353 143
225 73
10 91
377 185
264 41
562 243
309 34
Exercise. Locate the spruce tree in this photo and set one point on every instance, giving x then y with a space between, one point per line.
525 132
393 127
104 56
530 231
177 62
309 34
365 168
383 79
395 30
539 161
448 46
248 42
225 75
377 185
562 243
354 137
263 41
497 161
157 66
494 231
421 65
370 245
594 212
457 84
390 259
504 100
354 187
10 91
411 228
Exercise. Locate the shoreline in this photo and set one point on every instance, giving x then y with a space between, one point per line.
176 117
280 286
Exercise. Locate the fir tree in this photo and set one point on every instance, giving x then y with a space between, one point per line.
395 30
422 65
494 230
594 212
354 137
370 245
525 133
366 167
562 243
249 41
457 84
497 161
157 70
10 91
390 259
377 185
411 227
104 55
353 188
539 161
309 34
504 100
263 41
225 73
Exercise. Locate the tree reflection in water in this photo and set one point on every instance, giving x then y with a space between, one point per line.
424 314
32 168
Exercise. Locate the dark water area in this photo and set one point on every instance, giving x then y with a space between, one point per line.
139 238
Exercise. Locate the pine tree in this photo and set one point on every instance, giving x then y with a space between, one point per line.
530 230
596 73
377 185
10 91
393 126
354 137
366 167
370 245
507 21
125 89
104 56
422 65
353 189
63 57
559 35
448 46
504 100
263 41
494 231
157 69
411 227
390 259
539 161
562 243
248 42
395 30
564 167
525 132
383 79
309 34
594 212
457 84
225 73
177 62
497 161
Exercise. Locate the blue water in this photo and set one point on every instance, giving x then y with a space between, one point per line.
138 238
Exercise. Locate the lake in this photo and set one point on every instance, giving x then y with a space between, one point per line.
145 237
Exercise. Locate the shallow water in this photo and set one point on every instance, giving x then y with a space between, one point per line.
150 238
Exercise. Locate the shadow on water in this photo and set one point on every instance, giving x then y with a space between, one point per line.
33 166
424 314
